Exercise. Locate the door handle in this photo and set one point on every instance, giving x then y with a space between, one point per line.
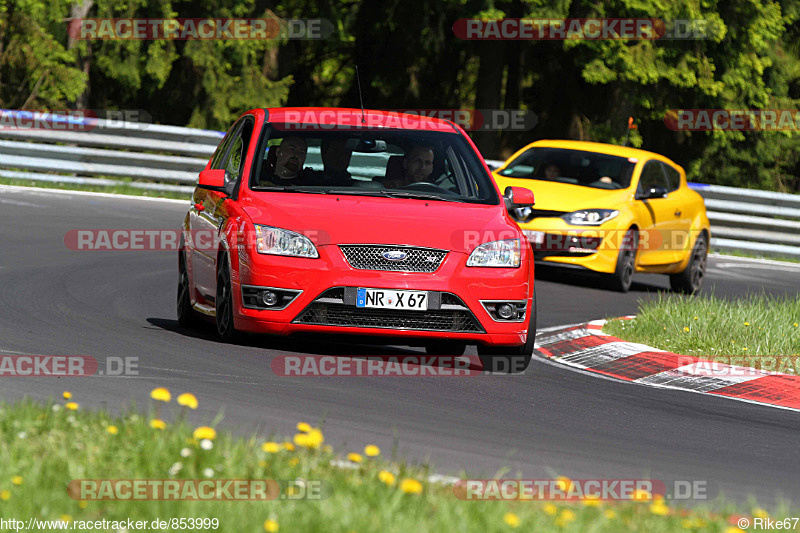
199 207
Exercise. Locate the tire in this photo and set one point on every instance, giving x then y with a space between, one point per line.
187 316
510 359
691 279
622 277
224 301
446 347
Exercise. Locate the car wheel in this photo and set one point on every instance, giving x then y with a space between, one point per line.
622 277
446 347
691 279
187 316
224 301
510 359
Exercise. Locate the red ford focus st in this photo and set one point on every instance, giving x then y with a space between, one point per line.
369 223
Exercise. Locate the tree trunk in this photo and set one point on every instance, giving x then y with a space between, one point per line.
83 60
488 91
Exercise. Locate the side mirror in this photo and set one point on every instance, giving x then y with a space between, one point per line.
216 180
518 202
653 193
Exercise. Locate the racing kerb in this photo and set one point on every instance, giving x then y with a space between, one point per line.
587 348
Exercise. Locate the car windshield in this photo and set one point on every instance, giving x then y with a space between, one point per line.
576 167
437 166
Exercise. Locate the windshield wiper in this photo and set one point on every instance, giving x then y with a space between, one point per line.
420 196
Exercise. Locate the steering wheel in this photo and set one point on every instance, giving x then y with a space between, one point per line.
427 186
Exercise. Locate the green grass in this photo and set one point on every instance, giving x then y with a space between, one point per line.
43 448
754 255
121 188
759 326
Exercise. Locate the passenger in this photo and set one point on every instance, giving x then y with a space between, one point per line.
290 156
336 157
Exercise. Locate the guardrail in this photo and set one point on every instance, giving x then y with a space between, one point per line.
168 158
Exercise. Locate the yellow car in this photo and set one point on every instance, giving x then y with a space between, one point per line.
610 209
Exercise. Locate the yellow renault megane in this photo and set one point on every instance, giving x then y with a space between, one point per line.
610 209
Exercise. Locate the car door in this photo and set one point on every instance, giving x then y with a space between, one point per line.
657 217
205 221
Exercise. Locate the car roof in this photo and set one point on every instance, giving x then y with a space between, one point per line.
352 117
603 148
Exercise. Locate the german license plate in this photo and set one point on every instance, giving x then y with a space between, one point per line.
535 237
392 299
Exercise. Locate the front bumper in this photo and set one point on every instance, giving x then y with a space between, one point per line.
328 283
554 241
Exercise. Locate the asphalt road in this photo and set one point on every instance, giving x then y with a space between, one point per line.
550 421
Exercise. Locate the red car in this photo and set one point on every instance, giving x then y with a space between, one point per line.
371 223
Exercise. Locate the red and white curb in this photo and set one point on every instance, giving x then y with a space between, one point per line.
586 347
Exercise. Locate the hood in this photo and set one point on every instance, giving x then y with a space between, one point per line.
343 219
566 197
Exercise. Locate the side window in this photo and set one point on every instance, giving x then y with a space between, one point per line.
652 176
673 176
235 152
216 159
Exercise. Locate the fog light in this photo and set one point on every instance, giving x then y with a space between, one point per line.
505 311
269 298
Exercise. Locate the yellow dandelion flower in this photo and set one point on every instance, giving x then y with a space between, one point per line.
72 406
302 426
294 461
301 439
609 514
686 329
271 447
795 324
565 518
112 429
160 394
289 446
354 457
67 395
511 519
733 529
550 509
157 423
187 399
591 501
697 318
312 439
83 504
65 518
411 486
386 477
659 508
372 451
747 323
5 495
16 480
641 495
271 526
758 512
204 432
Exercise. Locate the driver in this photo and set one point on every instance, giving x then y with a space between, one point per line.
417 166
290 157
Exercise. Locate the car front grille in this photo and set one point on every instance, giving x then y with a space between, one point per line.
370 257
334 308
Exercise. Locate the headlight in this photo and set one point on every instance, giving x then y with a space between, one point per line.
496 254
276 241
590 217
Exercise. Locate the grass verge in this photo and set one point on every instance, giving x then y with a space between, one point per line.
45 447
121 188
757 327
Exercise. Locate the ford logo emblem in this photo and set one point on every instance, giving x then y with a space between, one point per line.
394 255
